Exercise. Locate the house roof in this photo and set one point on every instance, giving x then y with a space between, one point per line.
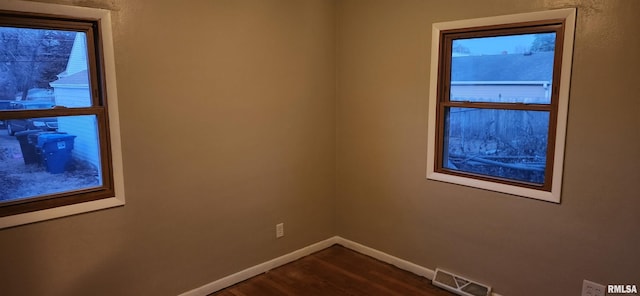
76 79
537 66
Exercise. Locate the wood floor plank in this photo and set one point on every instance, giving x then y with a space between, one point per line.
335 271
385 274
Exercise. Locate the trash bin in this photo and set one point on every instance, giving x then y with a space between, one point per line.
55 150
29 154
32 139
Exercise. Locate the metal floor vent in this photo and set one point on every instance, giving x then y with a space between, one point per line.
459 285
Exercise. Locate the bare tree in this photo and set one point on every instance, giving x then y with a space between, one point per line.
459 48
31 58
544 42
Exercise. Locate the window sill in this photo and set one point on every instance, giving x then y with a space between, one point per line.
553 196
31 217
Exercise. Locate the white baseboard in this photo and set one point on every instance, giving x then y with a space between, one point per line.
295 255
384 257
259 269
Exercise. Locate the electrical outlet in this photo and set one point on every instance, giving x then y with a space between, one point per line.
279 230
590 288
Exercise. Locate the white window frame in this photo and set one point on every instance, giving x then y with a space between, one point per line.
569 16
104 17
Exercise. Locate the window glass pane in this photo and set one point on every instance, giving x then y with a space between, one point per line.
44 66
503 69
509 144
48 161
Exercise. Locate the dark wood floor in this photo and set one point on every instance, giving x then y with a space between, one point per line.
332 272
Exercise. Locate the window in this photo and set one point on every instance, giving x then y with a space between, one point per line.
60 151
498 102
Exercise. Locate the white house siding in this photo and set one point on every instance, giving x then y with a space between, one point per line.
78 57
521 93
86 146
71 90
71 97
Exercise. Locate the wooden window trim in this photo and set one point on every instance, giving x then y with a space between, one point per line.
96 77
562 22
444 101
96 24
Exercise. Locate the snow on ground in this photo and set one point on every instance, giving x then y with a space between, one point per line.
18 180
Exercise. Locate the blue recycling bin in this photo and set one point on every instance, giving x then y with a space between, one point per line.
32 139
55 151
29 153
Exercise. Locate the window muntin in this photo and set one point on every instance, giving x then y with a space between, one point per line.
492 124
53 72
